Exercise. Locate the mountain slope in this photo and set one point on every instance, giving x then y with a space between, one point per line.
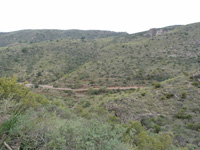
172 105
46 60
142 60
35 36
163 62
118 60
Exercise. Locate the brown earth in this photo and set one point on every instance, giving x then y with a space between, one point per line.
84 89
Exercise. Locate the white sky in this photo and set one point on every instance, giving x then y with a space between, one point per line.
116 15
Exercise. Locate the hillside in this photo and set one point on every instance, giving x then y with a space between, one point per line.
102 90
52 59
142 60
118 60
172 105
169 106
35 36
31 121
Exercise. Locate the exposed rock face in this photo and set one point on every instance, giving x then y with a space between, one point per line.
153 32
158 31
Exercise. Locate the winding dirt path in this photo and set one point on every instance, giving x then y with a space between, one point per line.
84 89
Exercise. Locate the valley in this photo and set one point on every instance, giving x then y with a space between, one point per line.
93 89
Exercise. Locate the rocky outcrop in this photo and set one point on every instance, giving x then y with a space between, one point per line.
154 32
158 31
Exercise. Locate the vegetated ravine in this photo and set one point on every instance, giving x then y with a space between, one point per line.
100 89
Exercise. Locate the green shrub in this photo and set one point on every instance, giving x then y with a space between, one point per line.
169 95
157 85
10 87
137 136
97 91
183 95
196 84
8 125
143 93
163 98
114 119
39 74
36 86
86 104
100 110
24 50
162 141
194 126
181 114
83 112
157 128
45 130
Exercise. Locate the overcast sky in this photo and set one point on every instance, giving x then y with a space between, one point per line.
116 15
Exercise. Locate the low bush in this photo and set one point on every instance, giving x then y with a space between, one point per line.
143 93
181 114
194 126
183 95
169 95
135 134
157 85
196 84
157 128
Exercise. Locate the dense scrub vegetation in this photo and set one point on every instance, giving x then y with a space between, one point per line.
50 125
112 60
161 114
169 106
25 37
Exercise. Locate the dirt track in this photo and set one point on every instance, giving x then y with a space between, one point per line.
84 89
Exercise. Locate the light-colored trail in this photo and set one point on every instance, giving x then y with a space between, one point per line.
84 89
